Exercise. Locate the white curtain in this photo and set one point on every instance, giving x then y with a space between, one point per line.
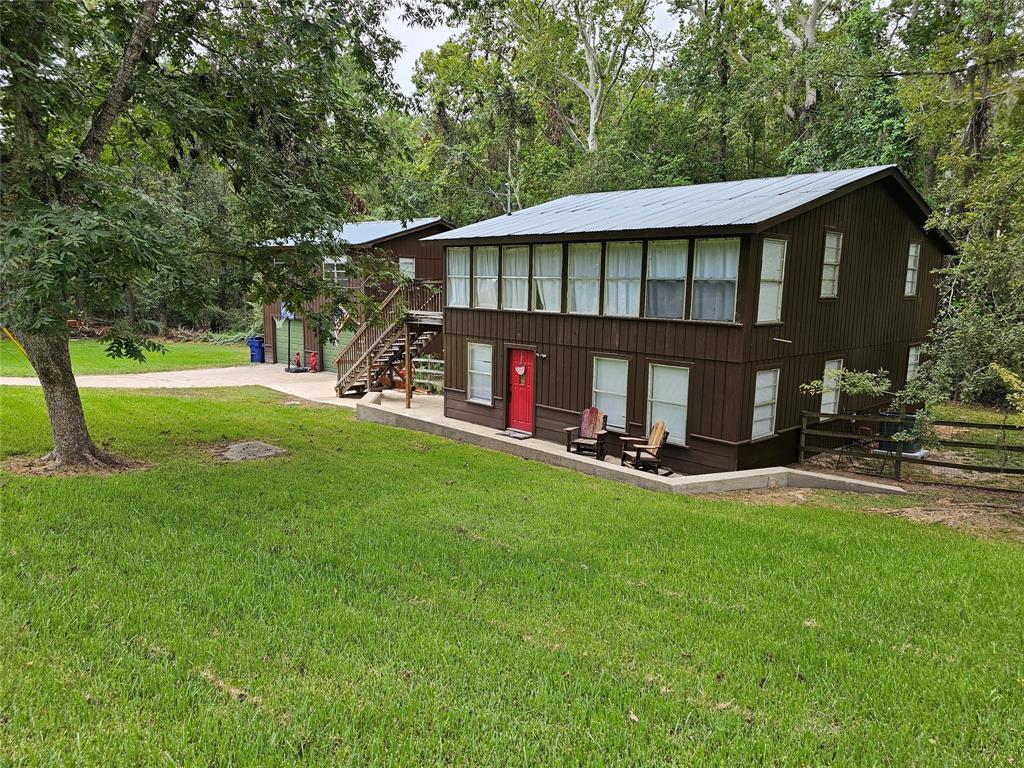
667 396
714 279
457 270
547 278
584 278
830 390
480 373
623 263
515 277
610 376
666 278
766 389
773 265
485 276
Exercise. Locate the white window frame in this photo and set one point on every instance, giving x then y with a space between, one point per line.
407 266
572 280
913 360
673 438
609 280
335 271
653 247
479 278
471 373
624 395
450 277
913 270
830 394
698 280
773 402
537 280
779 280
507 279
827 265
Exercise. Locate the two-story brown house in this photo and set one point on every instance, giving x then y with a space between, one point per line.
414 258
704 306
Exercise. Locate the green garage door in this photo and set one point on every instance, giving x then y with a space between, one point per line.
282 341
331 351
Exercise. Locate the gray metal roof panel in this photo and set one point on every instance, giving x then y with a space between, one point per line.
362 232
727 203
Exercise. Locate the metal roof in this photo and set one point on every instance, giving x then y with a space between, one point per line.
367 232
748 202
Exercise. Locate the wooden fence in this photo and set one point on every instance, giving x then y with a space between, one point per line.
861 435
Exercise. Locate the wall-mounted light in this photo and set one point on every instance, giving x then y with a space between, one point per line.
542 356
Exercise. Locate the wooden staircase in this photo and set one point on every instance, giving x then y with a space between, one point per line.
378 347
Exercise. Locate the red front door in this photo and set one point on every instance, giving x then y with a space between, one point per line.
520 390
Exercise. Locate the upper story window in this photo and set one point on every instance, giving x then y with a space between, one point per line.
457 270
485 276
547 278
715 267
584 295
913 265
830 265
515 277
609 395
666 278
773 270
407 267
622 268
335 272
766 398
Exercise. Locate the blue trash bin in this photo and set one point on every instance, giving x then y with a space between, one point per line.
256 353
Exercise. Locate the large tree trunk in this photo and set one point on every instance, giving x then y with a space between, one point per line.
72 445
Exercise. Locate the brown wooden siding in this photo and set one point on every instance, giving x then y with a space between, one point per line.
870 325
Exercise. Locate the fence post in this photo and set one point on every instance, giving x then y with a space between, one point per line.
898 464
803 436
408 367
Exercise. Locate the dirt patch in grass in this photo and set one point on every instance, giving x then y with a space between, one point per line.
238 694
247 450
981 511
37 466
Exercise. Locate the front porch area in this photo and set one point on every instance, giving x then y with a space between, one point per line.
427 415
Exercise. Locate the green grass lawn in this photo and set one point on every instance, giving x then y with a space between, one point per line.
384 597
89 356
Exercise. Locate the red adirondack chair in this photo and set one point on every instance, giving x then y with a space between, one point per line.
589 436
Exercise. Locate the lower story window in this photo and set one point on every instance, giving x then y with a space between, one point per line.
480 377
830 387
766 396
668 389
610 376
913 360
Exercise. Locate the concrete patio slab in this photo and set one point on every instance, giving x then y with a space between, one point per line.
427 415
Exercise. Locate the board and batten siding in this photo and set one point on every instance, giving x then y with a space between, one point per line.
870 324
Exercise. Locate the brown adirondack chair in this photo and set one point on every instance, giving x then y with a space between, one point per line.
645 452
589 436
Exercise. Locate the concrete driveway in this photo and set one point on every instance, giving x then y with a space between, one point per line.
318 387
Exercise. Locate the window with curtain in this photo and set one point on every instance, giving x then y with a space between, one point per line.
715 266
773 270
830 388
485 276
622 266
913 360
830 265
515 277
610 376
584 296
666 278
668 389
913 263
766 396
480 376
547 278
457 271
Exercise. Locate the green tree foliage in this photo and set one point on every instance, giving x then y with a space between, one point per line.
141 135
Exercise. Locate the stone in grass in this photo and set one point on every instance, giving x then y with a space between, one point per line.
251 449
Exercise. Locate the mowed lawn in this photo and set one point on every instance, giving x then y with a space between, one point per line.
89 357
384 597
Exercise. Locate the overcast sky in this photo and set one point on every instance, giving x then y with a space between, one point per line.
416 40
